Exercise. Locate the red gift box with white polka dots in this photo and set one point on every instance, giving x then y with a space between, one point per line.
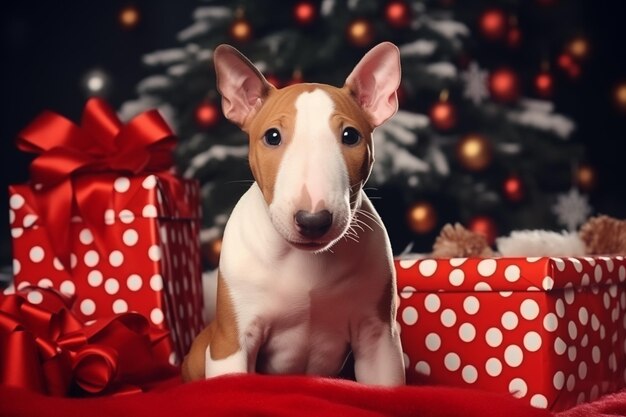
149 261
548 330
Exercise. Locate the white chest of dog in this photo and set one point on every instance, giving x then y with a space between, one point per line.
306 271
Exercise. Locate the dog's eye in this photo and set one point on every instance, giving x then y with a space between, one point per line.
350 136
272 137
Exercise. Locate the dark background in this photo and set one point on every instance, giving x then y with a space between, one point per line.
48 47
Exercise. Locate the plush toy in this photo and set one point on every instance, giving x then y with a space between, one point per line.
458 242
601 235
604 235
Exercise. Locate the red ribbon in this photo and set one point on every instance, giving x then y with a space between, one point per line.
101 144
44 347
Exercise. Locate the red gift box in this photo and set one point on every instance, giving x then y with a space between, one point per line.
549 330
105 220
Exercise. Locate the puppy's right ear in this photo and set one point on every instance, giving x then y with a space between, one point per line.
242 86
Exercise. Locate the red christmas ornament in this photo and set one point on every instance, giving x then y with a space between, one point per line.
207 114
485 226
443 113
513 189
567 63
544 84
493 24
504 85
574 71
398 14
305 13
514 37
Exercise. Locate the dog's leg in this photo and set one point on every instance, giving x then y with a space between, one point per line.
193 367
218 350
378 356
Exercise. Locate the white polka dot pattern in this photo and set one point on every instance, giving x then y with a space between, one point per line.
448 317
500 324
457 276
35 297
120 306
121 185
452 361
127 268
409 316
493 366
423 368
487 267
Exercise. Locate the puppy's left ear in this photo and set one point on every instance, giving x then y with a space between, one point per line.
374 82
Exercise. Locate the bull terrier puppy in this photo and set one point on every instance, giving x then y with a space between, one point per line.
306 271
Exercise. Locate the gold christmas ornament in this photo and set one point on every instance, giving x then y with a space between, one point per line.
360 32
579 47
422 217
240 29
129 17
474 152
619 96
586 177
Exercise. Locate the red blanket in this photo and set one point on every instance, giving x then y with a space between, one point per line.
276 396
258 395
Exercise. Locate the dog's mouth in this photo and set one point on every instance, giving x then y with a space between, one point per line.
308 246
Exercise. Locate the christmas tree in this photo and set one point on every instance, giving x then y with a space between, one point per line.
471 143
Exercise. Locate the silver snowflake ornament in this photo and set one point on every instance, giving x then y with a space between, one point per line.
475 80
572 209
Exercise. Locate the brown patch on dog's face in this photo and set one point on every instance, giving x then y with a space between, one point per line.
279 112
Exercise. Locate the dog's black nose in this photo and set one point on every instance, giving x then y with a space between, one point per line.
313 225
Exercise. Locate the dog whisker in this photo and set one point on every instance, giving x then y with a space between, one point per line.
370 217
361 222
348 236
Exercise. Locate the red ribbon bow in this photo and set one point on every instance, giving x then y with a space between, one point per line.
101 144
46 348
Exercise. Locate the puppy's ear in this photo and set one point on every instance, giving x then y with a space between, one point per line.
242 86
374 82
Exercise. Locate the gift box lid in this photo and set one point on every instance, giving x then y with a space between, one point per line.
145 196
507 274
